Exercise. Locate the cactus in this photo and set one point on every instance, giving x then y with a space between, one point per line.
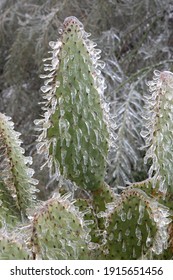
76 132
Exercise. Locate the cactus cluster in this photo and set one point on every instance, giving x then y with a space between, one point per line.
75 135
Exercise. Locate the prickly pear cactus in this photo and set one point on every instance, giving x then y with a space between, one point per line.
135 224
74 129
17 184
59 231
158 132
9 213
102 223
12 249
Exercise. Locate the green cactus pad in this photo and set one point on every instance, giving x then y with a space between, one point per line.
135 224
158 133
16 176
9 213
59 232
13 250
74 129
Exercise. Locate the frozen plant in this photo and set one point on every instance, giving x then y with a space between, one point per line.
85 218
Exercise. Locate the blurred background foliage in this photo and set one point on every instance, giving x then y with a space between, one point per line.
135 36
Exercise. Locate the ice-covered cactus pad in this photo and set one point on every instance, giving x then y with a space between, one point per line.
158 132
74 129
135 225
15 175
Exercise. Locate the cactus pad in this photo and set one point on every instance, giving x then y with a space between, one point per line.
74 129
135 225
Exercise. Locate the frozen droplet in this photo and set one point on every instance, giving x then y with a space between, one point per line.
62 112
54 103
57 84
73 96
67 99
115 226
94 114
47 59
101 214
129 214
122 215
55 45
141 213
87 90
28 160
157 73
90 100
65 168
92 161
61 100
76 173
87 179
85 157
93 246
79 137
60 31
97 137
75 119
148 241
63 126
88 127
123 246
55 62
30 172
119 236
134 253
127 232
85 76
68 139
51 74
33 181
78 108
46 88
48 68
111 236
101 64
138 233
84 168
